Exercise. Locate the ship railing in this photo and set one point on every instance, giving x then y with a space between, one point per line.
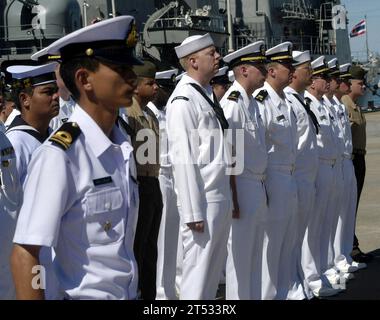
311 43
208 23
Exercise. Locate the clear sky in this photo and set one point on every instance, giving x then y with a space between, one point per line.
357 9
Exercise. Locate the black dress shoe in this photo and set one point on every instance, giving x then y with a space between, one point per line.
359 256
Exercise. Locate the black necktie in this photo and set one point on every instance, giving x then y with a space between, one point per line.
128 129
311 114
215 105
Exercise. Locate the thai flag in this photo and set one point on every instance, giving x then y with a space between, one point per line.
358 29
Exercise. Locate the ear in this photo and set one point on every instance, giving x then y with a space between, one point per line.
243 70
193 62
24 99
83 80
271 72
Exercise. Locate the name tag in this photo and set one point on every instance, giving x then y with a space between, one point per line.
281 117
100 181
323 118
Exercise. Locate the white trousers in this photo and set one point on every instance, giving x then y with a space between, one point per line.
331 221
167 241
303 256
245 243
279 234
325 185
7 228
204 253
344 234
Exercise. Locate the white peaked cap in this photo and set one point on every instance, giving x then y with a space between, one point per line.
320 61
111 39
221 72
231 76
179 77
344 71
254 52
193 44
333 63
167 74
38 75
319 65
344 67
281 52
301 57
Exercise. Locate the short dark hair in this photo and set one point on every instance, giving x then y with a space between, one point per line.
16 95
68 69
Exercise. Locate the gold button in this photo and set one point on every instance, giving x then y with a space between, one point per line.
107 226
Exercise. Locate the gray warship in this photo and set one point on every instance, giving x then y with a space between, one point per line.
30 25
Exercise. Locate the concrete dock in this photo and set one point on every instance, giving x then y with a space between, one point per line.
366 285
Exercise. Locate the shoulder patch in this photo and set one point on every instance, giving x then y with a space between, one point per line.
234 96
66 135
180 98
261 95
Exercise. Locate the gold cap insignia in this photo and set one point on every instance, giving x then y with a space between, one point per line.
262 50
27 83
89 52
132 37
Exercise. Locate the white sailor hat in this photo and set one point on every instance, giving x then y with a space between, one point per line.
344 71
221 77
231 76
31 76
333 66
167 77
179 77
301 57
193 44
319 66
112 40
252 53
280 53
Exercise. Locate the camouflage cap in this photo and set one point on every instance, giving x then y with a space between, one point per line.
147 70
357 73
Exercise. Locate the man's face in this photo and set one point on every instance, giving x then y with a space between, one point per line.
146 88
207 61
44 102
344 86
282 73
303 73
334 84
256 74
357 87
321 84
8 107
220 89
113 85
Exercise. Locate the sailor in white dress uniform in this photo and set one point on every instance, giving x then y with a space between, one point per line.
244 261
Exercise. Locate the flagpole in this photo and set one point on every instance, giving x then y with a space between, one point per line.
366 37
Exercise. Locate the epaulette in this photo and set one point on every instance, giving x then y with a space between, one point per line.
234 96
66 135
180 98
261 95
